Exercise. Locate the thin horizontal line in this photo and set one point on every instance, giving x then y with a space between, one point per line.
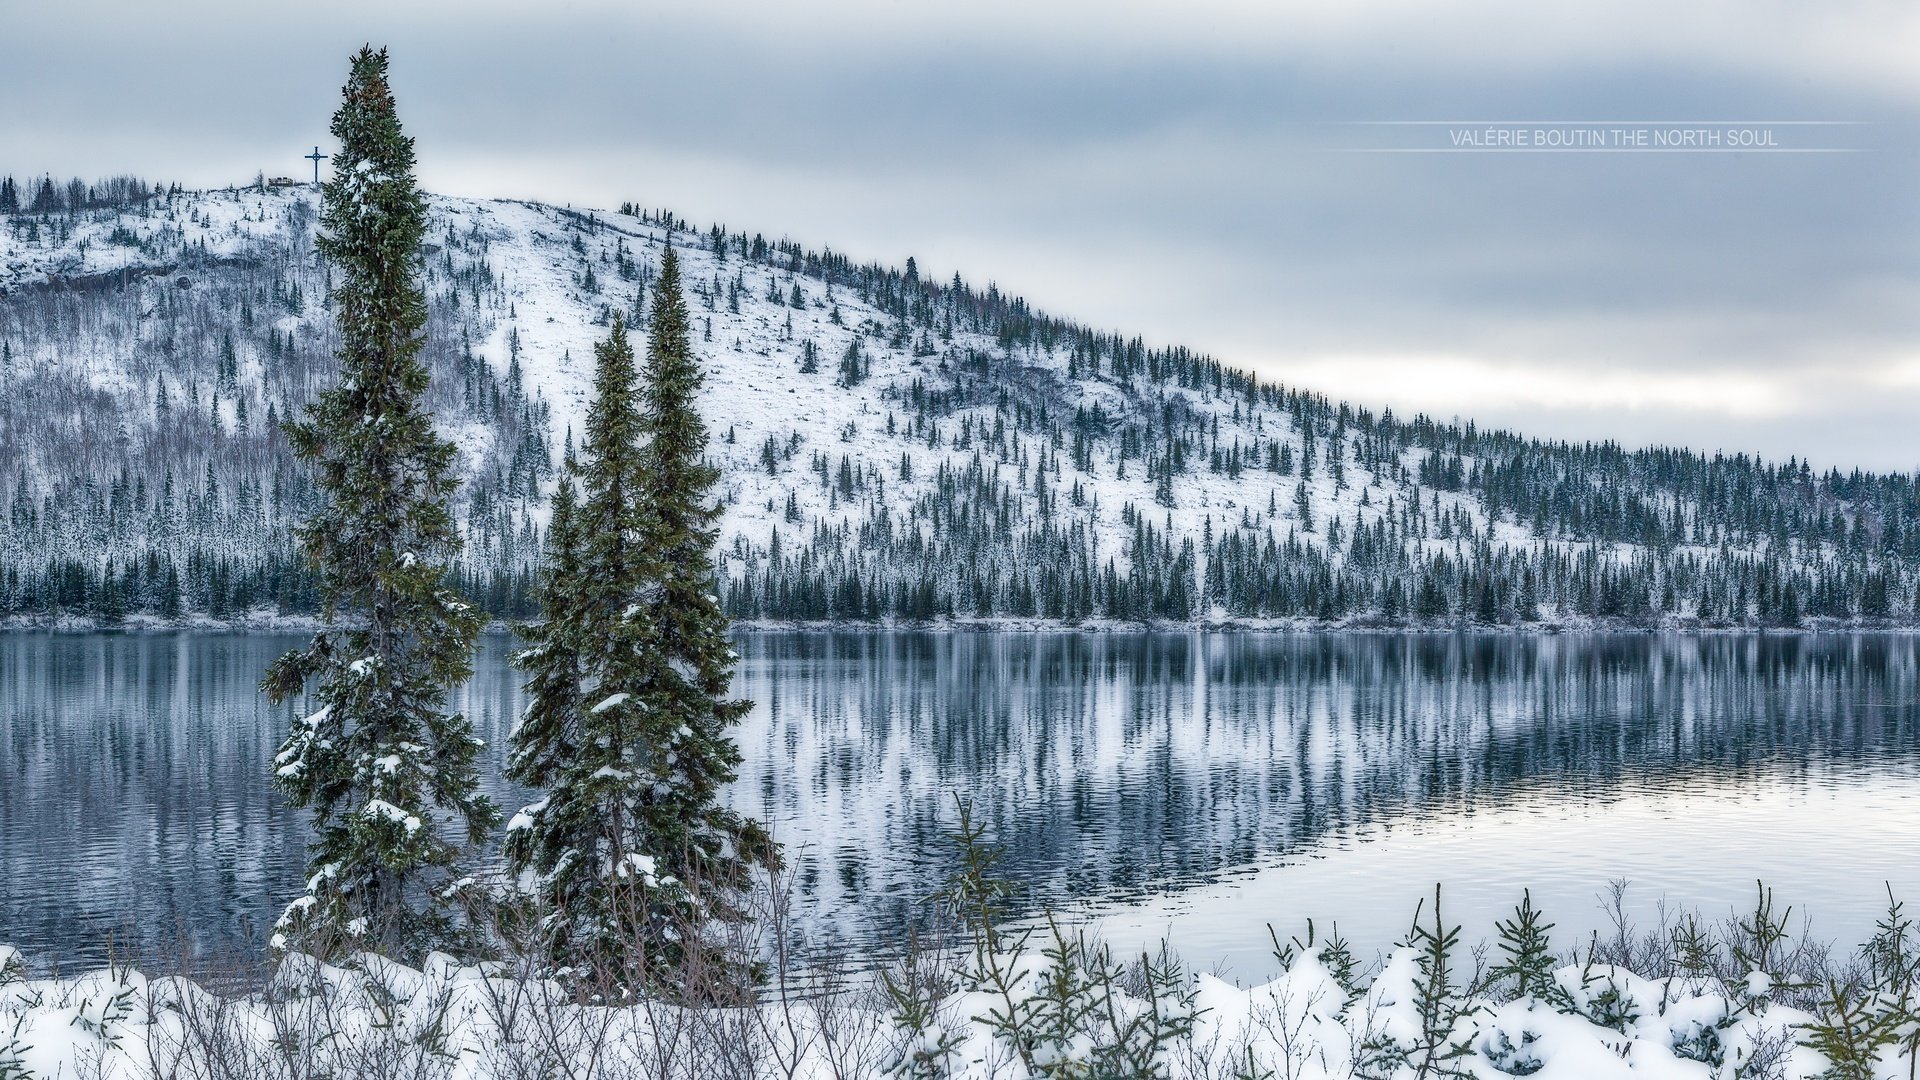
1601 123
1592 150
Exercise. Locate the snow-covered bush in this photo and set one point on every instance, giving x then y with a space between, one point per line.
1068 1011
992 997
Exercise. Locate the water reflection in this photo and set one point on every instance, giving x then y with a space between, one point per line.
1124 766
134 793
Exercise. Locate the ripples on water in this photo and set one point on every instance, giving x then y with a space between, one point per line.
1198 783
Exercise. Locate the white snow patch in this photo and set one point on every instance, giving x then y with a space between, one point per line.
380 808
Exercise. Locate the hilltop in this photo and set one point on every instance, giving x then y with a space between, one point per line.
894 446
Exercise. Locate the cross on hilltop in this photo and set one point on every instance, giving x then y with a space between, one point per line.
316 157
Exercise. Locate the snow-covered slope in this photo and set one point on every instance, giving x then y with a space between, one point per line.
891 446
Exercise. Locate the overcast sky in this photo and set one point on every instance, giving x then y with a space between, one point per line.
1195 172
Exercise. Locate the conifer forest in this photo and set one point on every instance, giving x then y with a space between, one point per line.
893 447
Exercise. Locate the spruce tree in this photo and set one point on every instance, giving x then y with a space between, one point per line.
573 841
1529 961
689 713
630 854
585 736
379 762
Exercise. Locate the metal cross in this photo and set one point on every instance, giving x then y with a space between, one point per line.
316 157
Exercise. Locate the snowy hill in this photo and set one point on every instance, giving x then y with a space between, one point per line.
892 447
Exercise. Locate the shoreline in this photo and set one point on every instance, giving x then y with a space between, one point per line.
265 622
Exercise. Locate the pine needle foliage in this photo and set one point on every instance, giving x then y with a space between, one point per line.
380 763
631 856
582 737
1438 1006
1851 1031
1529 960
691 656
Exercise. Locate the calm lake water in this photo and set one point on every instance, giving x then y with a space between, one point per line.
1191 785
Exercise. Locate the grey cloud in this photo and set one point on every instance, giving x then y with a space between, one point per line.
1144 173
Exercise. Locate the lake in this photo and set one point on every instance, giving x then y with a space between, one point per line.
1192 785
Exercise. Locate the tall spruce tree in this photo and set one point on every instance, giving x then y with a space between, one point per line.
607 899
692 659
380 763
577 843
632 856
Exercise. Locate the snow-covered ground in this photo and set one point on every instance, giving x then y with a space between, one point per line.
374 1018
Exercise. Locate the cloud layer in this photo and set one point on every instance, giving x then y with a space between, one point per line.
1170 170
